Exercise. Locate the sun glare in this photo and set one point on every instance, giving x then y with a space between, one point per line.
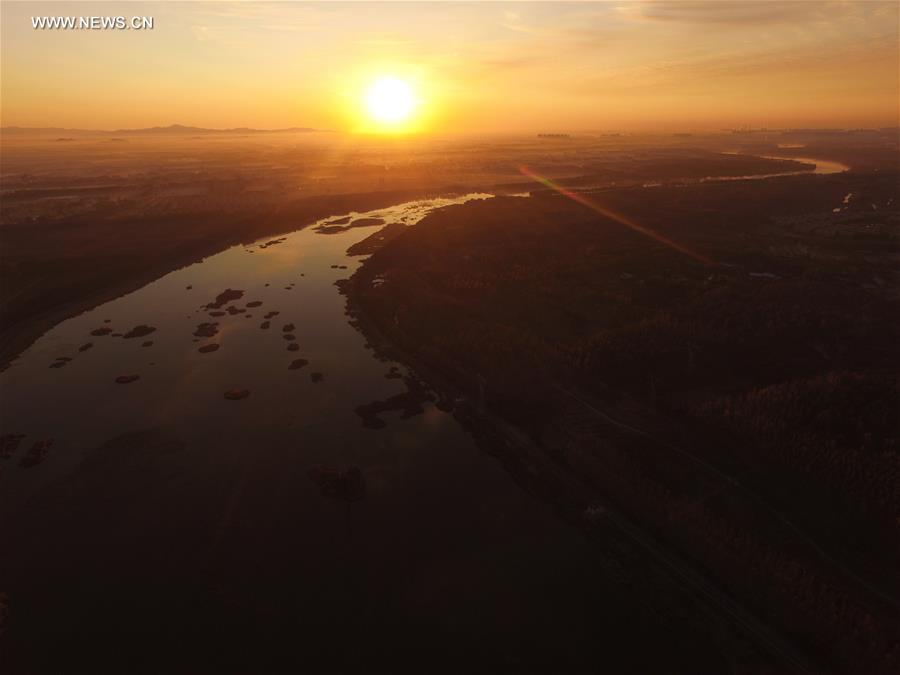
389 101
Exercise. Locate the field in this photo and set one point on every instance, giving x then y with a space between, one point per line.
673 356
735 389
89 216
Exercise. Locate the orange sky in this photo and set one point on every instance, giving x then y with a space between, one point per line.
474 66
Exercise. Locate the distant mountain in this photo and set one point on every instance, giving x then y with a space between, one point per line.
172 129
181 129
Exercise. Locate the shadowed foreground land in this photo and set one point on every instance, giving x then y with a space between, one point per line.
745 411
546 443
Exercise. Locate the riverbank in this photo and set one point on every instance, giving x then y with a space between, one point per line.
85 222
443 538
640 559
53 273
617 355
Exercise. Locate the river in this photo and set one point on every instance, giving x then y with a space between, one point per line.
285 507
236 508
820 166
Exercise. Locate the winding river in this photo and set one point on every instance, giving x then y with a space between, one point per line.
435 542
433 534
820 166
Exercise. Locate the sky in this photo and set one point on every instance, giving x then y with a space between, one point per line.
473 67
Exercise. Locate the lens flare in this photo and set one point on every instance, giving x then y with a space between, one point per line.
595 206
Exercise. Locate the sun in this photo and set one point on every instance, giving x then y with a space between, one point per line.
389 100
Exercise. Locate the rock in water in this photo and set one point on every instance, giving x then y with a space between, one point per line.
348 485
224 298
36 453
9 443
206 349
296 364
127 379
139 331
206 330
237 394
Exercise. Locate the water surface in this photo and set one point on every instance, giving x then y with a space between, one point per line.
820 166
219 526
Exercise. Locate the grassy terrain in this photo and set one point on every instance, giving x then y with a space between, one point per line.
86 220
745 410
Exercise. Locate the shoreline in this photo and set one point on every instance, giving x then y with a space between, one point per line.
24 331
613 451
16 338
547 474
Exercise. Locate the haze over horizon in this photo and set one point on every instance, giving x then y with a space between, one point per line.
518 67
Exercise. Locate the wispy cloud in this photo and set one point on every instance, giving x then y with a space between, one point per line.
742 14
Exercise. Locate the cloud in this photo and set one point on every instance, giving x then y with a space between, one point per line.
512 21
700 72
510 62
746 14
259 15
